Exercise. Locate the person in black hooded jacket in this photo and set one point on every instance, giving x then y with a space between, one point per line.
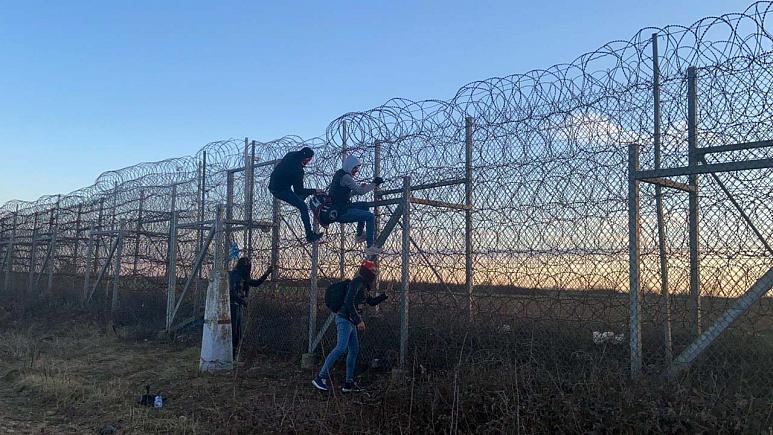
348 323
239 283
286 183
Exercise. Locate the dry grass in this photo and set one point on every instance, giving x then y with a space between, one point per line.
63 373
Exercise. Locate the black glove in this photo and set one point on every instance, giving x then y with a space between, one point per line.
263 277
373 301
378 180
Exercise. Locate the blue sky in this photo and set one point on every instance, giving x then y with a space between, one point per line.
89 86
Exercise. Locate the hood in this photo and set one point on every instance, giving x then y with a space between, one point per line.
349 163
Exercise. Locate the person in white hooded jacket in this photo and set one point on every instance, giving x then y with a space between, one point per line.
341 190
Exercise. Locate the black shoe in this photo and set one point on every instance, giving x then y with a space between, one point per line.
351 387
313 237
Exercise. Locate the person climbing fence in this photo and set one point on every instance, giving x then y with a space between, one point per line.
239 283
342 188
286 184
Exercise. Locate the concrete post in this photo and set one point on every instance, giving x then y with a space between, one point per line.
216 345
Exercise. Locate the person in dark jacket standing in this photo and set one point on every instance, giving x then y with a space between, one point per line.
286 183
341 190
239 283
348 322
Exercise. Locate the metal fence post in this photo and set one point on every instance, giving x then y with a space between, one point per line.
87 265
250 200
342 226
51 258
76 248
112 228
664 290
100 215
313 291
694 235
468 277
9 255
633 258
247 207
171 265
405 278
202 202
377 209
117 269
248 192
276 219
33 254
139 229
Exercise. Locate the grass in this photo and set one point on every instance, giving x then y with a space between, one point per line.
63 371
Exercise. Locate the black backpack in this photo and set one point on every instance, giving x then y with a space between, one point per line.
322 207
335 295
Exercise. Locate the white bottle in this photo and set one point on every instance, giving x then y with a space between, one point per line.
158 402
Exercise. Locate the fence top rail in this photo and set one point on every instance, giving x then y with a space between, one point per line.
255 166
442 183
704 169
735 147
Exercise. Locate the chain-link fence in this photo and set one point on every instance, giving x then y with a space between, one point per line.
543 159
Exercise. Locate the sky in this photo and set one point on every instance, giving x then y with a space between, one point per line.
90 86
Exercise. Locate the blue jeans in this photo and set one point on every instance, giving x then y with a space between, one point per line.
346 339
358 212
294 200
